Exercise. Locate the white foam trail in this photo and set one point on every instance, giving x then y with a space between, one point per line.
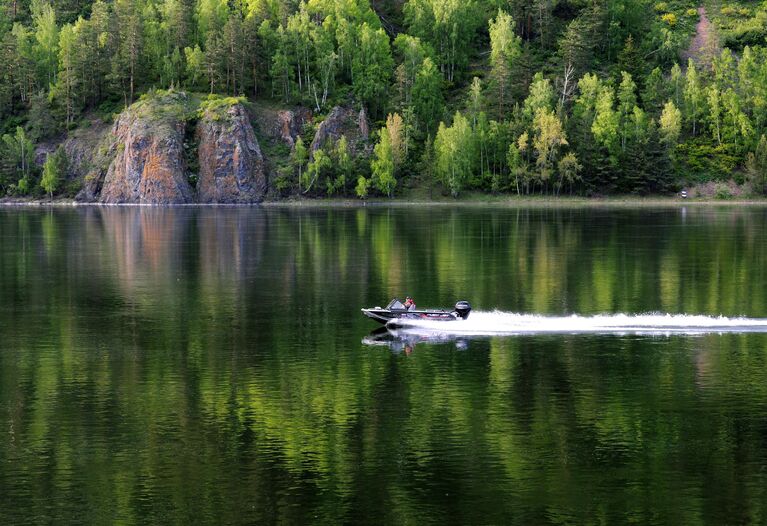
509 323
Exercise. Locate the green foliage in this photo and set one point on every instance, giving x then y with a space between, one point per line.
411 53
722 191
283 182
448 27
505 47
319 166
215 104
741 27
17 155
362 188
606 120
541 96
512 67
453 152
382 165
756 166
427 95
569 171
299 156
372 67
54 170
670 124
702 161
655 91
344 167
548 139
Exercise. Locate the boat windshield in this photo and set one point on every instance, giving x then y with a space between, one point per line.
395 304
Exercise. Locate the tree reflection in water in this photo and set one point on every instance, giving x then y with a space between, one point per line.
204 365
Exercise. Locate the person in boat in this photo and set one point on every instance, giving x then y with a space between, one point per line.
409 303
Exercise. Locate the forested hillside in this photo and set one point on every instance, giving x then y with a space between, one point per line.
502 96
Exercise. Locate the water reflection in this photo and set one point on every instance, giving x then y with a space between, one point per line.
205 365
405 341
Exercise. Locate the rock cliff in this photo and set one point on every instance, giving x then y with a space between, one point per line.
231 164
149 165
81 145
343 121
284 125
161 143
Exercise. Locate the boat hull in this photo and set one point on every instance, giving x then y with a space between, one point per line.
384 316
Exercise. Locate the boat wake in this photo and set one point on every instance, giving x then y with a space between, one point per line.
497 323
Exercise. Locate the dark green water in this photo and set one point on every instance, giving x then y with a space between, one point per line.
206 366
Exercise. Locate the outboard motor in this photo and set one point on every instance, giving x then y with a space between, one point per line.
462 308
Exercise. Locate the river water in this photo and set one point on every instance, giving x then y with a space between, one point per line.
212 366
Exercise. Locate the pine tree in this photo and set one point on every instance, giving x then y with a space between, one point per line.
630 59
654 91
660 171
127 64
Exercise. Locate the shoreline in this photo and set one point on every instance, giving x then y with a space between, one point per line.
470 201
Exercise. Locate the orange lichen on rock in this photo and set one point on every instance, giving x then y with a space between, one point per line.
231 164
149 165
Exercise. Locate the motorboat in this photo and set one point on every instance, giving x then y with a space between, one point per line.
396 310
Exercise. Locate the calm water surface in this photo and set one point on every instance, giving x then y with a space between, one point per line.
202 365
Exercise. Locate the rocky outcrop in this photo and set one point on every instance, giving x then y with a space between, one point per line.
343 121
146 148
81 146
281 126
290 123
231 164
100 161
363 123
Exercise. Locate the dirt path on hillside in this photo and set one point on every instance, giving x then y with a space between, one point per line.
705 45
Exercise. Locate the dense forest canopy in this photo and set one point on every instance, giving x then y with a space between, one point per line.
503 96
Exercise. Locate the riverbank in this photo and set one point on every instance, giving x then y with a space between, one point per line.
464 201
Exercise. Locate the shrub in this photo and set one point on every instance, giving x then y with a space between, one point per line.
216 102
722 191
284 180
362 188
669 18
